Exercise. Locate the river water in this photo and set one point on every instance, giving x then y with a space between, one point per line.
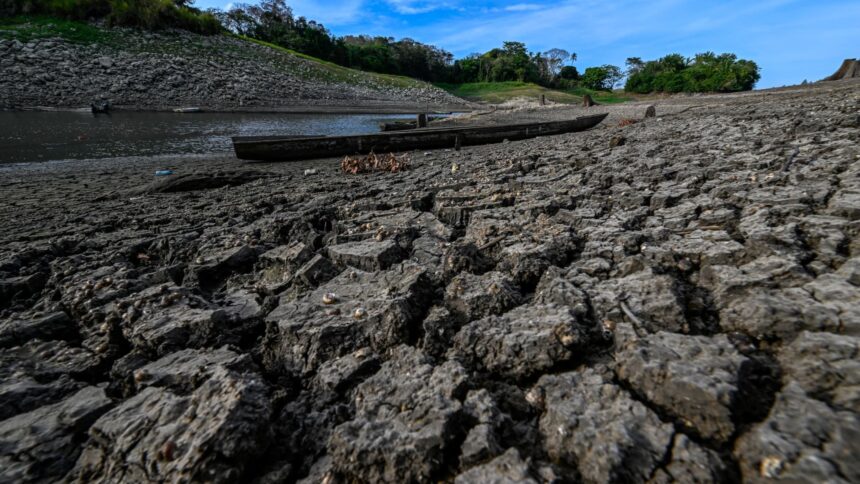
50 136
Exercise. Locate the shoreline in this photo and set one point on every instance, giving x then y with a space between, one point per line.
396 108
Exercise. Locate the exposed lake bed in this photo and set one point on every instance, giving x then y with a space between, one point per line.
679 293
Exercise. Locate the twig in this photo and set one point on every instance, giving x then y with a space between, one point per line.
493 242
790 159
629 313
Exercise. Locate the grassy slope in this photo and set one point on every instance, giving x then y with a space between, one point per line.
499 92
28 28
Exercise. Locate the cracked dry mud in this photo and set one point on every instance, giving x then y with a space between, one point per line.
682 307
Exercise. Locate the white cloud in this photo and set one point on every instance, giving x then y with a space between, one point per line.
412 7
522 7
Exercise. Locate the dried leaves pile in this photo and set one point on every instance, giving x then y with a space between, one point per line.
390 163
626 122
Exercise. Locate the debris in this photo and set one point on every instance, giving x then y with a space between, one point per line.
626 122
163 172
390 163
617 141
310 171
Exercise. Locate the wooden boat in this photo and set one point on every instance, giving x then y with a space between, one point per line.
187 110
289 148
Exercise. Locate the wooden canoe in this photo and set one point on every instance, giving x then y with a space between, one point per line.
290 148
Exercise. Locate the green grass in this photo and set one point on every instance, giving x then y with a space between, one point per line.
26 28
499 92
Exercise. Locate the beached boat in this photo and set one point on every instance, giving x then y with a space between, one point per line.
290 148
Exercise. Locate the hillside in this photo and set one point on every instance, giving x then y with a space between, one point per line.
54 63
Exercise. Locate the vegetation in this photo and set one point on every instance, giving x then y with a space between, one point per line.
496 75
499 92
706 72
148 14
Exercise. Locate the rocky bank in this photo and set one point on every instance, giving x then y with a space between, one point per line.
145 70
675 300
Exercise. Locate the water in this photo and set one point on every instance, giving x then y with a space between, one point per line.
50 136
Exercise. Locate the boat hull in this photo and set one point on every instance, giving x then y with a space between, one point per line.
292 148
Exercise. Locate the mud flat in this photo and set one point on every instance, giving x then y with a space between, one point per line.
683 306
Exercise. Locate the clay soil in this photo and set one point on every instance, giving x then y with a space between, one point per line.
671 300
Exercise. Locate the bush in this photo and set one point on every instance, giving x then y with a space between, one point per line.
703 73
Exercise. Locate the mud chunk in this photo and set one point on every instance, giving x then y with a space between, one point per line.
508 468
309 332
22 393
439 328
47 360
846 203
213 269
407 416
345 372
694 378
802 440
280 263
778 314
316 271
210 435
522 342
47 327
691 463
557 287
42 445
825 366
703 247
367 255
729 282
656 301
471 297
596 426
185 370
21 287
840 296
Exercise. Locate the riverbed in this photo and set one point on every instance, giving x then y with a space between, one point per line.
52 136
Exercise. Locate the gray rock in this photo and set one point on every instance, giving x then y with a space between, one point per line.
691 463
42 445
596 426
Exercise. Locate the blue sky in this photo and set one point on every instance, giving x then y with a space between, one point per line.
791 40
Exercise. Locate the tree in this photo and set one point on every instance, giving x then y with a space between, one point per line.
569 73
705 72
601 78
555 59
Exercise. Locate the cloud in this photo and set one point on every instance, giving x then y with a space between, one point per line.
412 7
522 7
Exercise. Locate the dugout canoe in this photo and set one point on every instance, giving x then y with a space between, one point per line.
291 148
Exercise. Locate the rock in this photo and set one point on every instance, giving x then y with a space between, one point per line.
508 468
469 297
367 255
525 341
48 360
596 426
616 141
43 444
407 417
214 433
802 440
185 370
651 111
346 372
696 379
587 101
211 270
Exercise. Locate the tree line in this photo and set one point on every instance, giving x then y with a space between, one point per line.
273 21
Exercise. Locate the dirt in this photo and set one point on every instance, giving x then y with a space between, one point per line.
684 306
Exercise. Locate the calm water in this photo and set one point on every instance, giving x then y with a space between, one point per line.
47 136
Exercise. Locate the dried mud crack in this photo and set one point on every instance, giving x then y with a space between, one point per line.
683 307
